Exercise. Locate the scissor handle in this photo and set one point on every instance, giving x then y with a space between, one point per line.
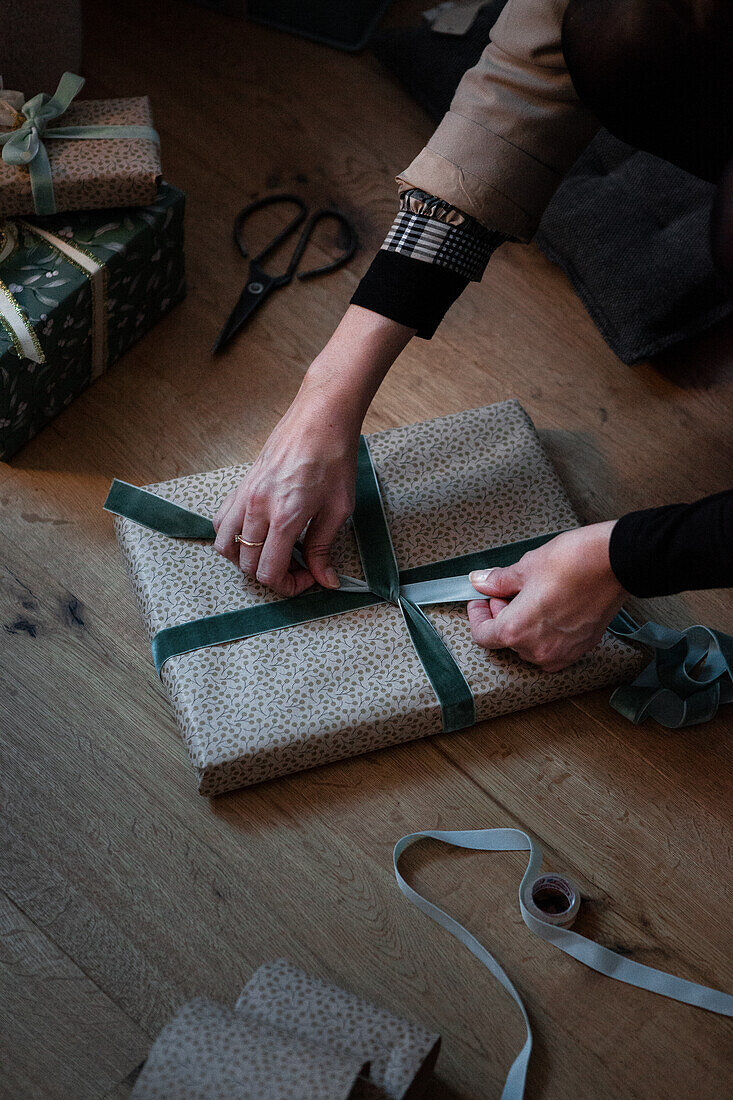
352 243
259 204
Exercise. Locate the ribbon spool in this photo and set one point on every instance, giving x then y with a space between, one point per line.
549 904
553 899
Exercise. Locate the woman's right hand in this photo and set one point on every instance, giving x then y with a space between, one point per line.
304 475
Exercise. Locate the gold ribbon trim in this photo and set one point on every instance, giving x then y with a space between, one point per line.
20 330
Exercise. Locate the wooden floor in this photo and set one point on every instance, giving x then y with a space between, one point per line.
123 892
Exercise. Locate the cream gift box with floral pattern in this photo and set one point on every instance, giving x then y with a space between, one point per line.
348 684
140 251
87 174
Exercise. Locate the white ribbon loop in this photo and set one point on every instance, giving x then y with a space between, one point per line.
543 925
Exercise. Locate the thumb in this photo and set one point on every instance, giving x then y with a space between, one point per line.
321 532
496 582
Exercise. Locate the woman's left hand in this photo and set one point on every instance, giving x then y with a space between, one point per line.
554 604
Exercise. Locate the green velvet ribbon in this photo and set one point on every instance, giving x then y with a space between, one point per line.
689 677
24 146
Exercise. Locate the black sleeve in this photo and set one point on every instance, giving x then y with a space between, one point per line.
676 548
409 291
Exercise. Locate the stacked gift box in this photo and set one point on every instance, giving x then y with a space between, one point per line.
91 247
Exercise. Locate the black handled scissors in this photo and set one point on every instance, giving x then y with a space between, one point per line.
259 283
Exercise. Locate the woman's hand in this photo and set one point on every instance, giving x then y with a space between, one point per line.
306 472
304 475
554 604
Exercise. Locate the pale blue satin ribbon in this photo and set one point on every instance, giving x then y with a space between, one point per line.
445 590
24 146
572 943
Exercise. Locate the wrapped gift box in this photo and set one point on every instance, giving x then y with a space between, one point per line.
83 322
294 698
94 173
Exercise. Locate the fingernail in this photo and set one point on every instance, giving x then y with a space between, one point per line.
480 575
332 578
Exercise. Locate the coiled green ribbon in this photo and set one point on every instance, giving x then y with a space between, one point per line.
24 146
690 676
409 589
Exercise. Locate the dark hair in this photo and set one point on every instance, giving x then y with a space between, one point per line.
658 74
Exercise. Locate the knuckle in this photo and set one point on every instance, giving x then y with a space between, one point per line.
257 500
344 505
284 515
544 656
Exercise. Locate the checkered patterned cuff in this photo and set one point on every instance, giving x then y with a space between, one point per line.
465 249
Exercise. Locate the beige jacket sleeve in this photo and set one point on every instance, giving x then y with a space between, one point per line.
514 127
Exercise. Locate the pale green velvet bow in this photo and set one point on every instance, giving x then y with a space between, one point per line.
24 146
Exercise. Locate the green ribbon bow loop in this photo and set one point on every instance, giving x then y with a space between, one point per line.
690 676
24 146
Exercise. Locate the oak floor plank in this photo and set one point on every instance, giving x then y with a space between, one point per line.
77 1039
157 895
109 863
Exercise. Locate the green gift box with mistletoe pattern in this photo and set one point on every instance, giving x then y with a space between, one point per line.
141 250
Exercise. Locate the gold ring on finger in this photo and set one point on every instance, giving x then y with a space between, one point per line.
245 542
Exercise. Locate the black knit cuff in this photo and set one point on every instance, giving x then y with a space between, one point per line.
409 291
675 548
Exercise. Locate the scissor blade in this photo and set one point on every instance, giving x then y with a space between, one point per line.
248 302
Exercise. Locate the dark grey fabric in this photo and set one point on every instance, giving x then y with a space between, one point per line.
630 231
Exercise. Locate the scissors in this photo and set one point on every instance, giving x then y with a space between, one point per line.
259 283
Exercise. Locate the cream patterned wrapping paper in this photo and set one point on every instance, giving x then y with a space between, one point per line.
296 698
401 1053
93 173
291 1037
209 1052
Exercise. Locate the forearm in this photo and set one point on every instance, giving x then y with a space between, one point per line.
343 379
675 548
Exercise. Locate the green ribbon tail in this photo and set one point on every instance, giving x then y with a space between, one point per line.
39 172
158 514
451 688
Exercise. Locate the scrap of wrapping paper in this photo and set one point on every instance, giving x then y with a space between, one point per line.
290 1036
